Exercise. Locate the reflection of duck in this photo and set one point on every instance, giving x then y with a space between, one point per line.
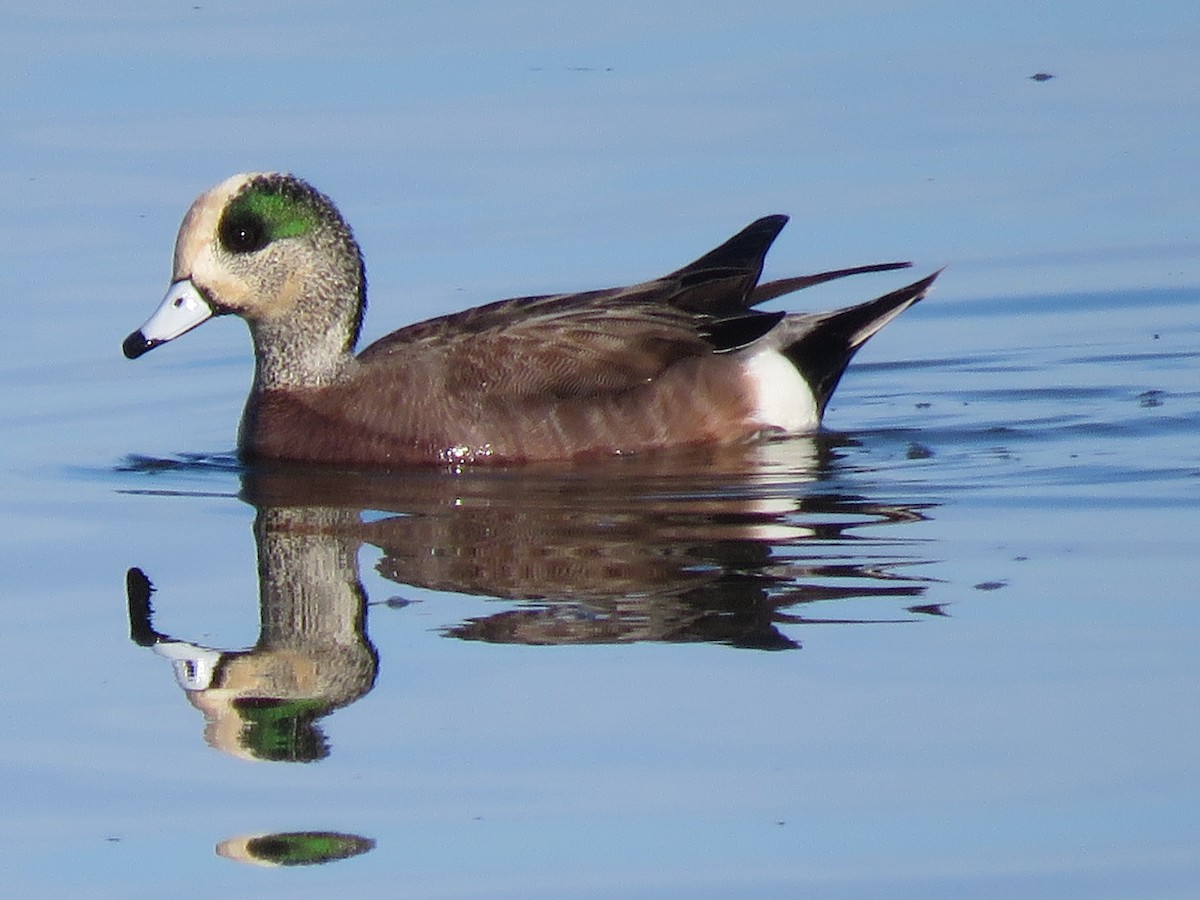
717 545
706 545
685 359
312 654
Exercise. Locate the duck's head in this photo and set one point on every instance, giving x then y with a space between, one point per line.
270 248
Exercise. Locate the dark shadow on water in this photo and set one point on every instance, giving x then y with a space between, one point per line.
739 547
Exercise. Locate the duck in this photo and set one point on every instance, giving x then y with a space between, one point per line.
686 359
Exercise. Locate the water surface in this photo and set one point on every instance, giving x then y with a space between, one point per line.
945 649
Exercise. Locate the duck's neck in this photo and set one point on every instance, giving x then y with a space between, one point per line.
297 354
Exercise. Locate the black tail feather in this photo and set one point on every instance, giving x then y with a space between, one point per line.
720 282
772 289
724 281
744 251
823 351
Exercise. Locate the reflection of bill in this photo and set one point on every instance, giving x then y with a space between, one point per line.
294 848
312 655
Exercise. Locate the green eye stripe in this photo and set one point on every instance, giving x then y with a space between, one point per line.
282 213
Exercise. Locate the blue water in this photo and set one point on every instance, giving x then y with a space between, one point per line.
945 649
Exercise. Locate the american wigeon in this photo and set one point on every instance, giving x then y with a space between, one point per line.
680 360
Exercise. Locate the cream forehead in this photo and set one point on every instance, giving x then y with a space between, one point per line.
200 222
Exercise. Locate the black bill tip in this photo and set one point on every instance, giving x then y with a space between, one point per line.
137 344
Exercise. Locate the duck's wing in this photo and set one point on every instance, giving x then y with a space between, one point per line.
570 345
611 340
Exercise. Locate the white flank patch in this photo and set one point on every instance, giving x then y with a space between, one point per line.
783 398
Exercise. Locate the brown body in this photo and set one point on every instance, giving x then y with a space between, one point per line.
376 419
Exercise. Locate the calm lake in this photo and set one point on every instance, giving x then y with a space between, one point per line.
946 648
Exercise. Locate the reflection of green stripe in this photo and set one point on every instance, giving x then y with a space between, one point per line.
307 848
282 730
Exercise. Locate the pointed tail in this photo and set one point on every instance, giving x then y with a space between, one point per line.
826 342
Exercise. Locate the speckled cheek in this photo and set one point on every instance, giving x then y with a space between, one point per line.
213 278
284 299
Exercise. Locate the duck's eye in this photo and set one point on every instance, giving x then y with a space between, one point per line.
243 232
